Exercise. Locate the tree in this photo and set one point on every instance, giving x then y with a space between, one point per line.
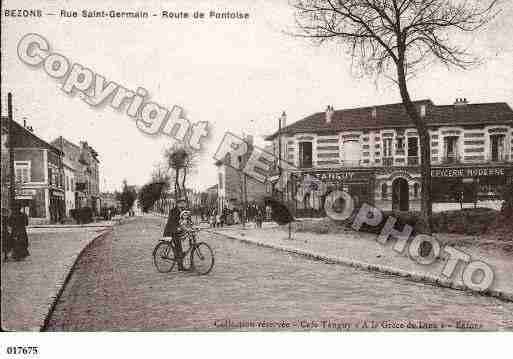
127 197
181 160
149 194
395 39
160 176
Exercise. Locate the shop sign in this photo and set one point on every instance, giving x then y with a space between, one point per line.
57 194
338 176
25 193
468 172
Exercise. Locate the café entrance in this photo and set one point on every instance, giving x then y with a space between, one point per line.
400 195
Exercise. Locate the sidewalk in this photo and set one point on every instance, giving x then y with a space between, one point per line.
361 250
115 220
30 287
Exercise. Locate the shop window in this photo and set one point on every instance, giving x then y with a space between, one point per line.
384 191
22 171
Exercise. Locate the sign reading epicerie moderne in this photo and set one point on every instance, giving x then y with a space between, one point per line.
468 172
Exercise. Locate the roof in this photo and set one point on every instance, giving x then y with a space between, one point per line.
395 116
22 137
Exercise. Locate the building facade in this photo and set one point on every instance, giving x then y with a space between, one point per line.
38 175
374 154
81 175
70 154
234 187
5 167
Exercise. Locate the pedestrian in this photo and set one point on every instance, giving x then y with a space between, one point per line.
259 217
236 219
212 218
18 221
172 229
6 235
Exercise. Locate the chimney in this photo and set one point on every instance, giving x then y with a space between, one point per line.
249 140
374 113
460 102
329 113
422 111
24 123
283 119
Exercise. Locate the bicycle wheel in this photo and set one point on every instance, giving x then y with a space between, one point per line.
163 257
202 258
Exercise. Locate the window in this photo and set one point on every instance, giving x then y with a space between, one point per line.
451 149
497 148
305 154
413 147
384 191
352 153
22 171
400 145
387 147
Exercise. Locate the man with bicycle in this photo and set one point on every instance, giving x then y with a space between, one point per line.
174 229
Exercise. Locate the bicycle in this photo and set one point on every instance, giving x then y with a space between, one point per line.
198 256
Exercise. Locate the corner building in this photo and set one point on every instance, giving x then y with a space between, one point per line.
373 153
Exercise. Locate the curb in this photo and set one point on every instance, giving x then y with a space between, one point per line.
411 276
62 285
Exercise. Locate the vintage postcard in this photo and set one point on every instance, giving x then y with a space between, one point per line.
255 166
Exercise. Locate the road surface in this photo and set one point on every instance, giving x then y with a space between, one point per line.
116 287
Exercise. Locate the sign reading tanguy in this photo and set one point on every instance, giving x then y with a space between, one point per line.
338 176
469 172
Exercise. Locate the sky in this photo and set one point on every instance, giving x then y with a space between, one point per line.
239 75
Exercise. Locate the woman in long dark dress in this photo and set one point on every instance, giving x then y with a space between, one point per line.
18 221
6 235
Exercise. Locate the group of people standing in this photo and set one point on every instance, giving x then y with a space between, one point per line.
227 216
14 235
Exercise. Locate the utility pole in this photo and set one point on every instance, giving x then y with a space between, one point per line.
281 123
279 145
12 193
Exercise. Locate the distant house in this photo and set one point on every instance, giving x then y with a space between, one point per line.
233 187
38 172
81 174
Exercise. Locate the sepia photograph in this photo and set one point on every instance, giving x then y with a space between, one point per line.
245 167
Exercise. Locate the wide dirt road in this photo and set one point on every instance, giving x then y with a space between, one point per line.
115 287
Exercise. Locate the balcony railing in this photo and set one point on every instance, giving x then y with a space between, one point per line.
388 161
413 161
448 159
352 163
501 157
305 164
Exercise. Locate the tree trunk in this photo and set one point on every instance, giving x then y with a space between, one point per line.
183 181
177 185
425 151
